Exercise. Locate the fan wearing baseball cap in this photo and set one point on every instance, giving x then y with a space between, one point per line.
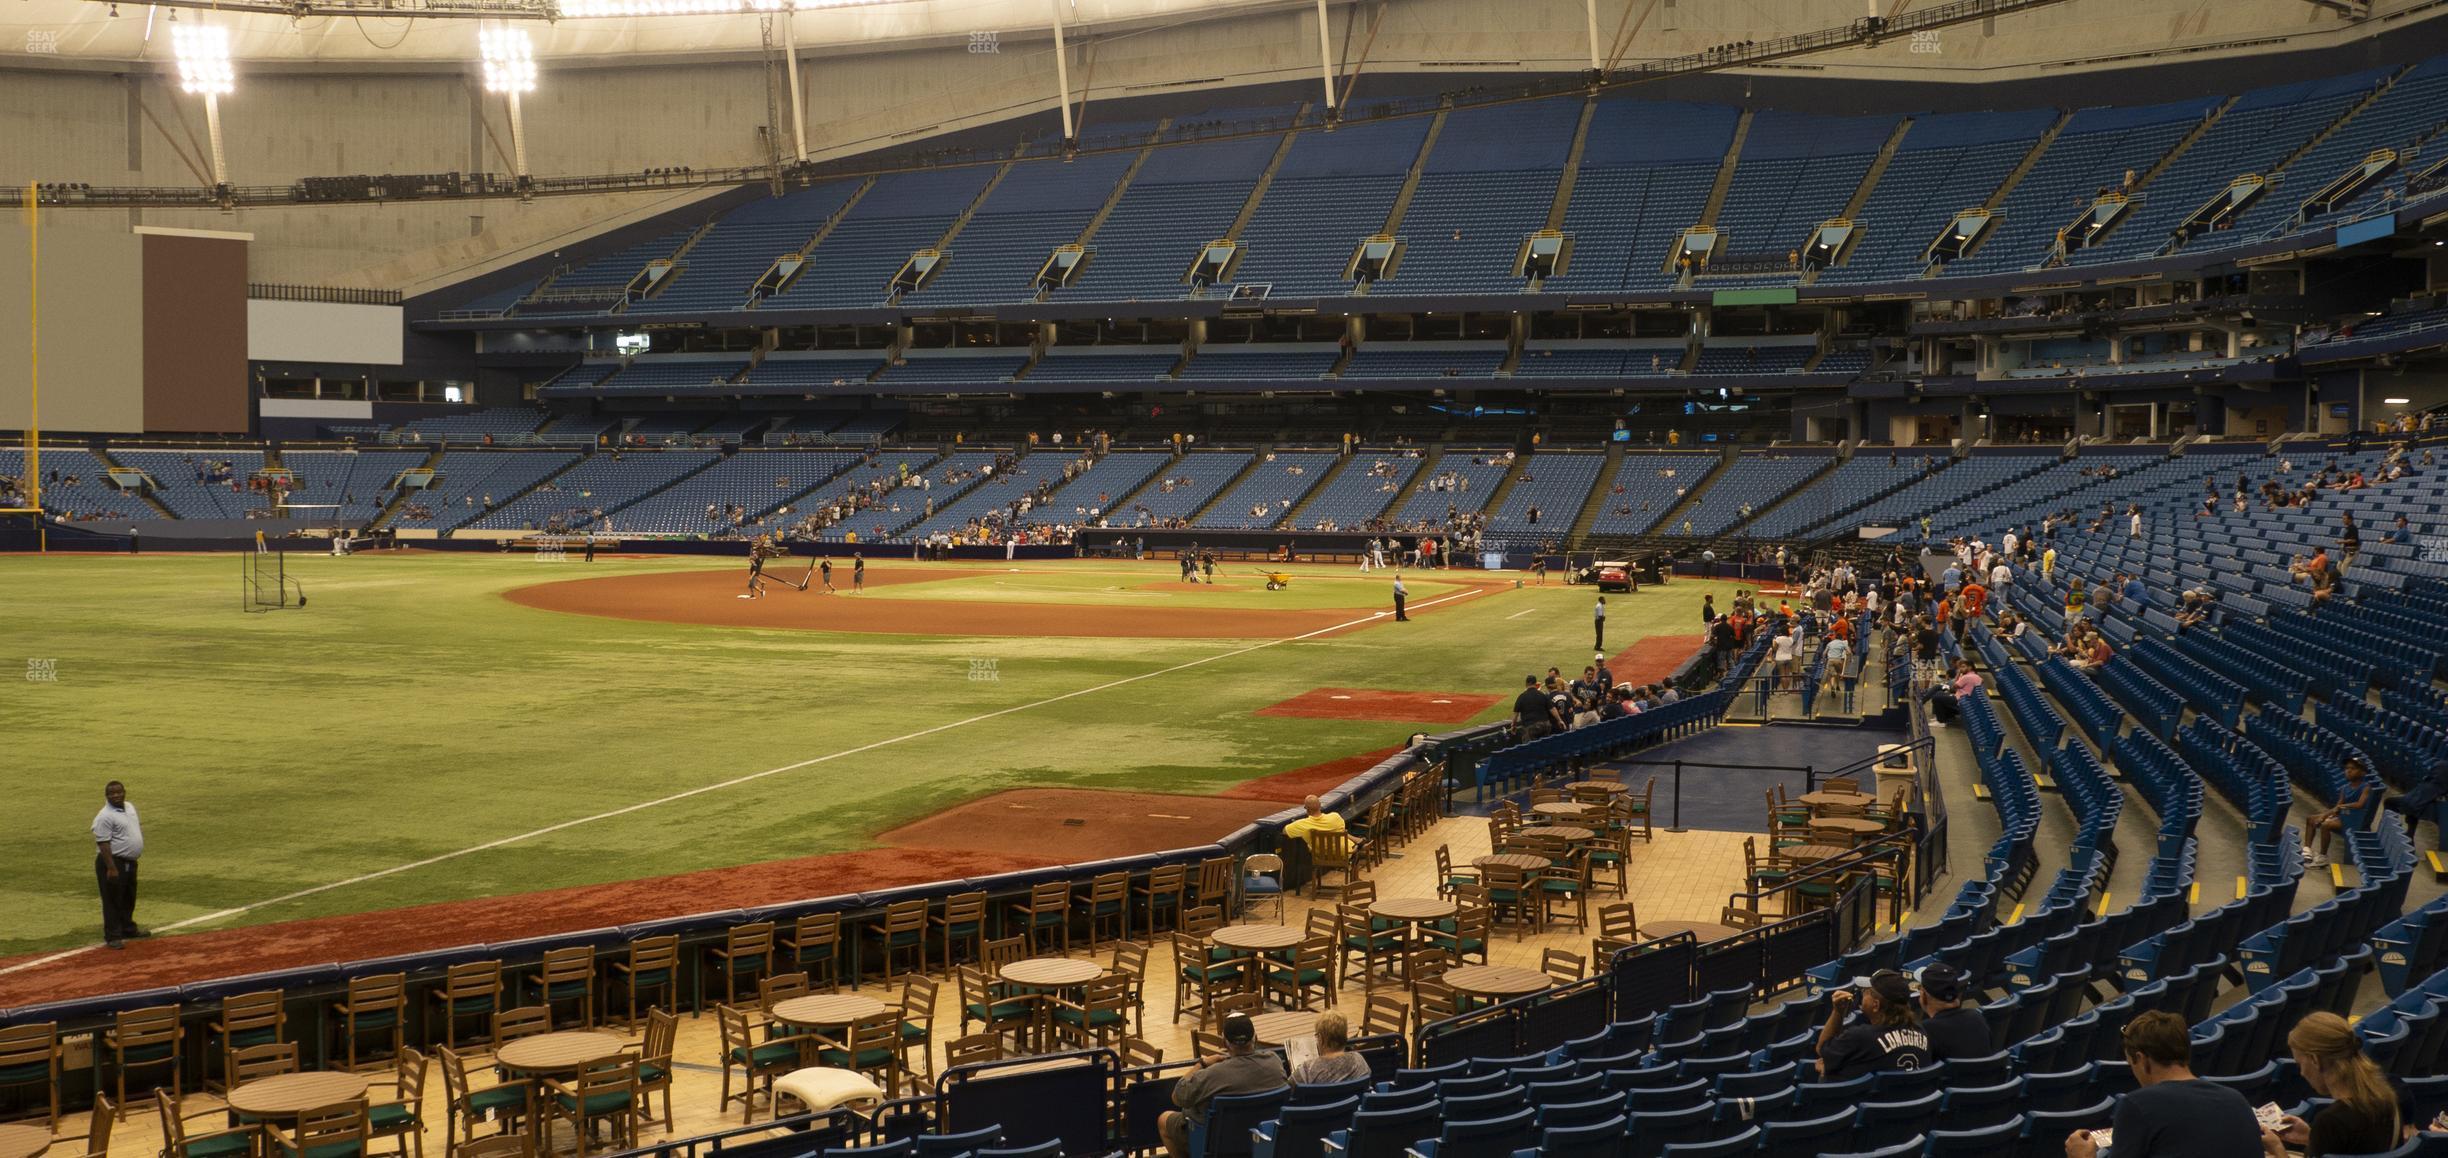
1240 1069
1887 1037
1955 1030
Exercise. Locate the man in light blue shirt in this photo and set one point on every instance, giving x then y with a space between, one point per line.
118 842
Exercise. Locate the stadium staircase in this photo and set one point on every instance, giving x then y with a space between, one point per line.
815 239
1266 179
1087 234
2023 167
1291 519
399 497
1725 171
1878 169
1592 506
961 222
2275 175
1429 457
678 260
1410 186
103 456
2142 182
1504 484
1734 528
1571 173
1691 494
1257 458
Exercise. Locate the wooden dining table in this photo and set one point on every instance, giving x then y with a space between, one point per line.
1857 825
1569 834
1564 808
282 1097
1496 982
827 1010
1284 1025
1520 860
1052 975
561 1052
1826 799
23 1141
1256 938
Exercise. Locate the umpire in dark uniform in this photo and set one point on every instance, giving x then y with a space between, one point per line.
1400 593
118 843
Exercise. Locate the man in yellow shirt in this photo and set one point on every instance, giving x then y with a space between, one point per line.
1317 820
2048 563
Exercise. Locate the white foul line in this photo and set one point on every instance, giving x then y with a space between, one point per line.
1524 611
736 781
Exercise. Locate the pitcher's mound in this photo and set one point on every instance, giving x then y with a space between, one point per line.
1372 704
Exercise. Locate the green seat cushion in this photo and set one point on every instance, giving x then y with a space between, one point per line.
1211 972
596 1103
20 1075
146 1053
391 1117
1572 886
497 1098
1095 1017
376 1019
247 1037
651 1074
1307 976
904 937
743 964
215 1146
1041 920
563 989
840 1058
473 1005
963 929
1446 926
765 1055
913 1032
1605 856
650 977
1001 1011
1502 896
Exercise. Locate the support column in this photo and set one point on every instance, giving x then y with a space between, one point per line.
212 130
1062 74
790 59
1326 65
1597 71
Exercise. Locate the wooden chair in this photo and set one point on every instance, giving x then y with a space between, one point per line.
1107 901
1330 853
512 1103
1566 968
1163 895
178 1143
1312 968
1376 951
1434 1001
900 935
262 1061
98 1123
1100 1015
1001 1014
1569 885
246 1019
144 1039
339 1130
1473 927
1361 893
1003 951
1137 1054
567 975
1746 915
1130 960
1046 912
1619 922
871 1046
962 921
1426 964
974 1048
1384 1014
1218 884
1539 796
814 946
1636 811
655 1061
745 954
525 1021
780 987
1447 877
918 1025
653 965
606 1091
373 1008
470 989
403 1117
1513 891
757 1065
1197 971
30 1056
1611 854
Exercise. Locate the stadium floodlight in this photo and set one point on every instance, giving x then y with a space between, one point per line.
509 69
203 52
509 60
203 59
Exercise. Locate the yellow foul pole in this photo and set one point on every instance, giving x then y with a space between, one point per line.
33 479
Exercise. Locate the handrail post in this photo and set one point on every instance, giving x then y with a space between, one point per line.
1677 823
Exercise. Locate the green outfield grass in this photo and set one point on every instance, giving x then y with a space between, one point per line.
409 711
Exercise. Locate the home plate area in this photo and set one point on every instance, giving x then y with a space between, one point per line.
1373 704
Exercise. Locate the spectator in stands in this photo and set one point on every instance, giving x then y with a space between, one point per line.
1887 1036
1785 651
2353 810
2094 654
1240 1069
1534 711
2135 596
2362 1116
2174 1114
1334 1061
1315 819
2077 596
2194 609
1955 1030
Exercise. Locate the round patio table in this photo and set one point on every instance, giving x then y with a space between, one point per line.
282 1097
23 1141
564 1052
1496 981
